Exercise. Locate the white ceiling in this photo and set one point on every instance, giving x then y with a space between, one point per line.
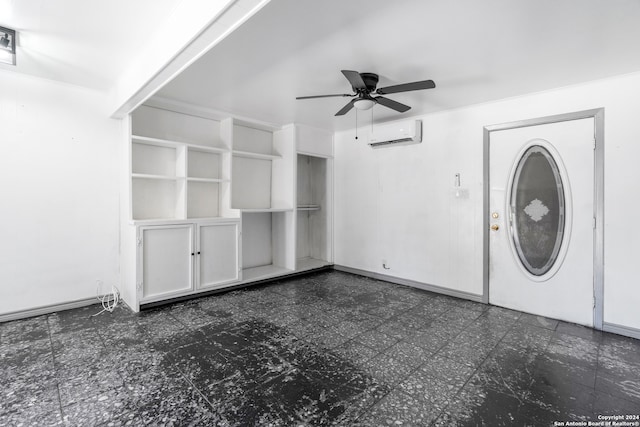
82 42
475 51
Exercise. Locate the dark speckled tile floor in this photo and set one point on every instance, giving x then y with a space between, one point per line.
325 349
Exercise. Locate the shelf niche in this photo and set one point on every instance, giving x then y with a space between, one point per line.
169 125
262 167
151 159
157 199
203 164
312 239
266 244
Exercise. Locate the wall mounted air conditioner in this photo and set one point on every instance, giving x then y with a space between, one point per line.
403 132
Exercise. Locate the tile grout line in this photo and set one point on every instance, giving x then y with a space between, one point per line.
55 369
404 378
476 368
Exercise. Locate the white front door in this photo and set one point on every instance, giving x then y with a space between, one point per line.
541 238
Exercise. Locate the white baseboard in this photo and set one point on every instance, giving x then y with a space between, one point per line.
621 330
412 283
39 311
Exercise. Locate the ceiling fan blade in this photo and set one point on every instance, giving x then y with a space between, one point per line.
406 87
355 79
346 108
390 103
322 96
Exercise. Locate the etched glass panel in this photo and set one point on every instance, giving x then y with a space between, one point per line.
538 210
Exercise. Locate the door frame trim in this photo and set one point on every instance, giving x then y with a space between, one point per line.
598 205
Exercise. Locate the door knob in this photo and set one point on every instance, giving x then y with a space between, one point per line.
495 227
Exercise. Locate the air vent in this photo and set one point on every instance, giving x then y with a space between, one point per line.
404 132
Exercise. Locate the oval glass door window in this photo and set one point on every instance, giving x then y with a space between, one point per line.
538 210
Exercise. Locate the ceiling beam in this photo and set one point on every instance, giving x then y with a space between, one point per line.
194 28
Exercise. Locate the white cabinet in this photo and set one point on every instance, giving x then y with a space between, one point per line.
218 254
165 255
179 259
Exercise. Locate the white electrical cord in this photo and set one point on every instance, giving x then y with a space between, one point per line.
109 301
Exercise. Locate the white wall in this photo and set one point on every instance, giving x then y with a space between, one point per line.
59 176
398 203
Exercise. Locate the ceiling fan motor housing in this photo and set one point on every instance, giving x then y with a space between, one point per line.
370 80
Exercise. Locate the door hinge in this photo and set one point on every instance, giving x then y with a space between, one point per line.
594 143
594 301
139 241
594 222
139 286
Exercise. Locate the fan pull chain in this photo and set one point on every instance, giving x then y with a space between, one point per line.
371 123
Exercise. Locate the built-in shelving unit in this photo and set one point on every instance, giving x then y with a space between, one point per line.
222 193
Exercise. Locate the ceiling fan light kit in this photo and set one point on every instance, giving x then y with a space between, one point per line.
364 104
364 84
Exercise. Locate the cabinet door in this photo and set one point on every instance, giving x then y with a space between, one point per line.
218 254
166 258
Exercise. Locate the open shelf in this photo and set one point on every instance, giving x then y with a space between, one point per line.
154 161
161 126
304 264
158 142
251 183
203 164
253 143
155 141
205 149
263 272
156 198
150 176
216 180
260 156
203 199
267 242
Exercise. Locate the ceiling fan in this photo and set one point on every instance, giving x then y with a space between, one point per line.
364 85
